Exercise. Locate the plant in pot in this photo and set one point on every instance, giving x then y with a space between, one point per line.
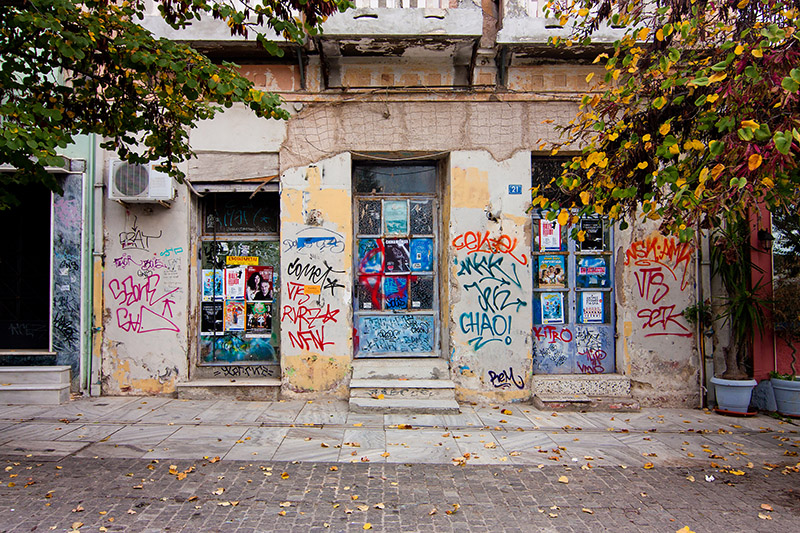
786 317
742 310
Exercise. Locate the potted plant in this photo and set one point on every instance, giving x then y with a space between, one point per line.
742 309
786 317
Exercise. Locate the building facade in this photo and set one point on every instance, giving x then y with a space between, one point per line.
386 228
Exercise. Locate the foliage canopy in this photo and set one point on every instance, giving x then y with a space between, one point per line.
697 114
70 68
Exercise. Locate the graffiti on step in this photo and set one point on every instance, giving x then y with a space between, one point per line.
505 379
246 371
498 292
395 333
660 264
139 308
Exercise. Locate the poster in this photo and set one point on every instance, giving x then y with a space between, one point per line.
370 256
422 254
259 319
397 256
234 283
213 285
552 308
593 236
395 290
549 235
259 283
592 272
552 272
592 307
395 216
211 318
234 315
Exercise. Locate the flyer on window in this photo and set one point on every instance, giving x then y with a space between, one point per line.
235 314
549 236
552 272
211 318
593 235
213 285
259 283
259 319
592 307
234 283
552 308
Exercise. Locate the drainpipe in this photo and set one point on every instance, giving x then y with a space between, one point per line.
96 276
87 288
699 328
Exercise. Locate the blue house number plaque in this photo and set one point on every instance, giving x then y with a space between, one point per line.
515 189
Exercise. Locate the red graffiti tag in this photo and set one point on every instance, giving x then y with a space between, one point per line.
475 242
552 334
308 320
594 358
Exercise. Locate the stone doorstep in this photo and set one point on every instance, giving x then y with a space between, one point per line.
578 385
545 402
35 374
403 388
394 368
34 393
409 406
256 389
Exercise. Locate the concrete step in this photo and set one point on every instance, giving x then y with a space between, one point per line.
411 406
34 393
408 368
257 389
34 374
581 385
586 403
430 389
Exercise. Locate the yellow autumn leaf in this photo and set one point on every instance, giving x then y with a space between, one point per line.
563 479
737 472
703 175
684 529
738 50
717 170
563 217
664 129
589 77
646 137
768 183
581 237
583 12
601 56
643 165
585 197
648 466
752 124
719 76
660 34
757 52
643 33
754 161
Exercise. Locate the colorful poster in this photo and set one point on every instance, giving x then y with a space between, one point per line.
422 255
234 283
212 318
241 260
549 236
395 216
593 235
552 272
592 307
259 283
397 256
552 308
259 319
592 272
370 256
213 285
235 314
395 290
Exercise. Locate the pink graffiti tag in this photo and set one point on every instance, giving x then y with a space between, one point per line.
594 358
657 260
137 302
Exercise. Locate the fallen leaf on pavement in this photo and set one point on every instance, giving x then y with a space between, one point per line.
284 475
563 479
587 511
368 525
219 491
690 478
766 507
379 506
648 466
455 508
78 509
763 516
282 513
432 512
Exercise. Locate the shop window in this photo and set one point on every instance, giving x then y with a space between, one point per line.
239 267
397 284
573 291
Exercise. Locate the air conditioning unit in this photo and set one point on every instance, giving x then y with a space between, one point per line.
139 183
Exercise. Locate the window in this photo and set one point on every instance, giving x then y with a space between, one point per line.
239 267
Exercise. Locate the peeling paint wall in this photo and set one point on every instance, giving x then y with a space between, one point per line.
656 347
146 287
489 287
316 280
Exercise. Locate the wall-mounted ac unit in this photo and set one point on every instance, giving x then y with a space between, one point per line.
139 183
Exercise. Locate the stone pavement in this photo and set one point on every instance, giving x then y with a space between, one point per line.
159 464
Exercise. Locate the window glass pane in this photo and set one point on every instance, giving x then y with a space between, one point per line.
421 292
395 216
370 256
369 217
405 333
238 213
395 290
395 179
551 308
594 236
370 293
422 218
592 271
594 307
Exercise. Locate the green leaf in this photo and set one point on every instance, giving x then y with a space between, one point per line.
716 147
783 142
790 85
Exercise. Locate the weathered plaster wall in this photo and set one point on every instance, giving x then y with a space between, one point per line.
656 347
67 234
316 277
146 279
490 280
